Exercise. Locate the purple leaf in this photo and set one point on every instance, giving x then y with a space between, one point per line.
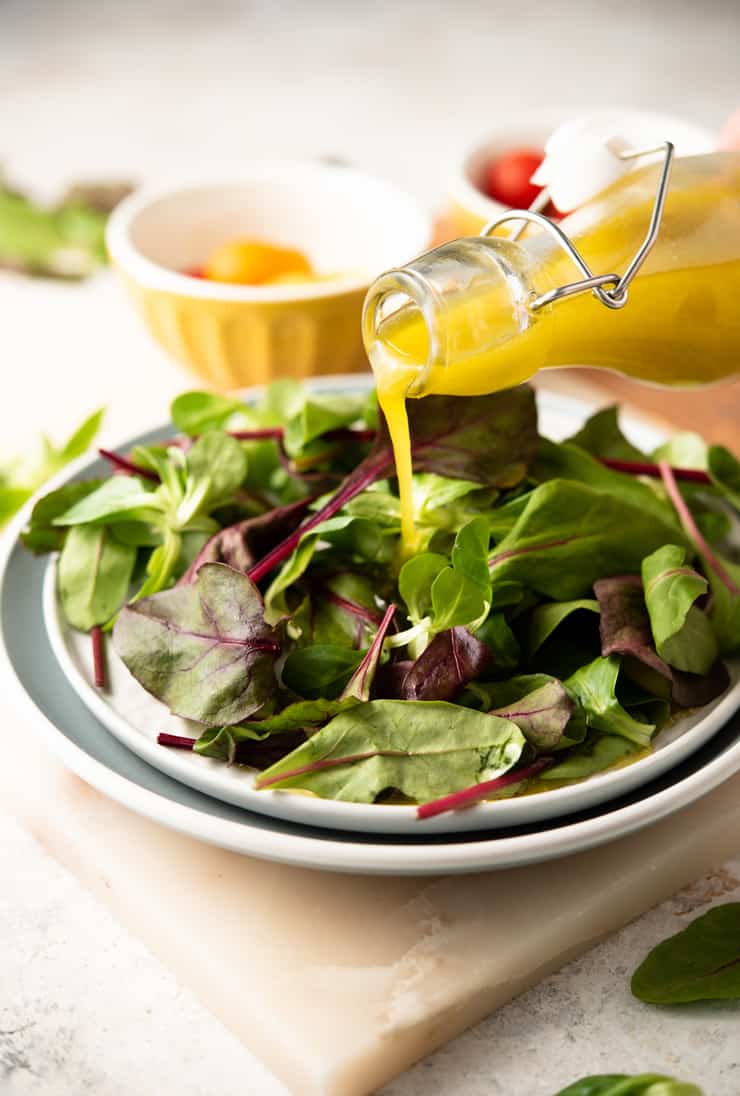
203 649
360 684
241 544
624 627
451 660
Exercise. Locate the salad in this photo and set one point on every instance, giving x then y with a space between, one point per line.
563 603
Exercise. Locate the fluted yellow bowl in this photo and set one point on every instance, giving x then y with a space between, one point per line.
351 227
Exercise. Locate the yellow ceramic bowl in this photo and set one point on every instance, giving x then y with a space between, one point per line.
469 209
351 227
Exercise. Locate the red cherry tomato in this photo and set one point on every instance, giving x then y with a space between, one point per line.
194 272
507 178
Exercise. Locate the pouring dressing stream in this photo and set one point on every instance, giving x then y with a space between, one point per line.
460 321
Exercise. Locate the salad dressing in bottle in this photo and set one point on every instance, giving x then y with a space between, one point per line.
485 313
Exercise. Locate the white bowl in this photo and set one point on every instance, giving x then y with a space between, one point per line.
470 208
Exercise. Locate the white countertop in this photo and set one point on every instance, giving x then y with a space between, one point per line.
145 88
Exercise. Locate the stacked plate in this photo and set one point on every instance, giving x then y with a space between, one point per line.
109 739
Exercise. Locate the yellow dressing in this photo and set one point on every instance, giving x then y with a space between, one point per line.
470 329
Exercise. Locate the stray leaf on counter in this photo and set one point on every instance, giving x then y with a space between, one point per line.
621 1084
424 749
204 648
700 963
65 241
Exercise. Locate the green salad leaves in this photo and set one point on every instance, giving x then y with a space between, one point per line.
557 612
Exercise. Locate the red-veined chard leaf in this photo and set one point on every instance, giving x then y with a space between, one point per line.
424 749
700 963
570 534
360 684
624 626
452 658
542 715
203 649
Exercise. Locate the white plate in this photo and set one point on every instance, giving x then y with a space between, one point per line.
135 718
35 686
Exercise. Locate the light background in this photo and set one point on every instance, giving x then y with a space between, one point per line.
141 89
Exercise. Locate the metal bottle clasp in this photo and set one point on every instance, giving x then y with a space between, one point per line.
616 296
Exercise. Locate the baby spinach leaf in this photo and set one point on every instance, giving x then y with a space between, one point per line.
594 687
598 753
724 468
700 963
195 412
319 414
502 644
544 619
342 611
321 670
94 576
571 534
620 1084
601 436
682 632
451 659
203 649
41 534
423 749
121 498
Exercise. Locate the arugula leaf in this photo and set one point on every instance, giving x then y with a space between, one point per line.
424 749
322 670
545 618
682 632
700 963
598 753
594 686
94 576
601 436
570 534
203 649
620 1084
452 658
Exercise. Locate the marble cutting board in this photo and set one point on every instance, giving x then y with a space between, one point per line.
340 982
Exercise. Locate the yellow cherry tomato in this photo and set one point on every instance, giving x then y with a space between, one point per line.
243 261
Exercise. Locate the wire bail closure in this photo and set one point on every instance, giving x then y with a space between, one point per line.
616 296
